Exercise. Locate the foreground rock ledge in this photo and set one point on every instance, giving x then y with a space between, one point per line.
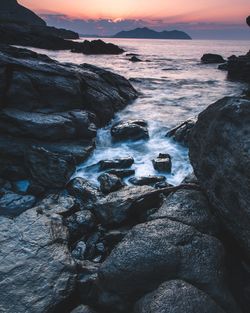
219 152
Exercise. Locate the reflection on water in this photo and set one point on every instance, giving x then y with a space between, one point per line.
174 86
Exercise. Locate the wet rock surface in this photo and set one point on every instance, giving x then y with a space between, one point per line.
131 130
109 183
211 58
182 132
120 163
147 180
163 163
219 152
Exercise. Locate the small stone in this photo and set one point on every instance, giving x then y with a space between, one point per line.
116 163
122 173
109 183
146 180
79 251
163 163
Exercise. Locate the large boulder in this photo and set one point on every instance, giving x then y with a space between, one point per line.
36 270
239 68
210 58
219 153
177 296
177 242
131 130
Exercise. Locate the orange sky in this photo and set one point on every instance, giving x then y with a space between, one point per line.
174 11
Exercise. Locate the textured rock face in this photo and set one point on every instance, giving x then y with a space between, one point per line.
11 11
239 68
175 243
53 109
177 296
219 152
130 130
182 132
36 269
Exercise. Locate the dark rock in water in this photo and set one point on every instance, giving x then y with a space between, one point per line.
35 258
182 132
96 47
177 296
109 183
122 206
12 11
122 173
132 55
210 58
12 204
85 309
163 163
219 153
131 130
147 180
239 68
120 163
135 59
223 66
49 169
248 20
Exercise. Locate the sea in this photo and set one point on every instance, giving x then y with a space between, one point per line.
173 86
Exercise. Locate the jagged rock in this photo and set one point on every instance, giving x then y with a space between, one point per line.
36 269
177 296
182 132
131 129
147 180
12 204
120 163
239 68
82 189
210 58
163 163
49 169
219 153
109 183
79 250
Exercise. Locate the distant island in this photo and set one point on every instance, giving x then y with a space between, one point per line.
147 33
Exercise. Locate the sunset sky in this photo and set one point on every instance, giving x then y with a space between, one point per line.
109 16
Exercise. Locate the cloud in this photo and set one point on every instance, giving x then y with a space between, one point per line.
108 27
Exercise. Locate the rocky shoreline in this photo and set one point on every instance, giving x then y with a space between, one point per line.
71 247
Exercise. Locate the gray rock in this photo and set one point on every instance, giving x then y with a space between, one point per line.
177 296
80 224
182 132
12 204
122 173
219 153
120 163
135 59
130 130
211 58
163 163
36 269
124 205
159 250
147 180
82 189
189 207
110 183
49 169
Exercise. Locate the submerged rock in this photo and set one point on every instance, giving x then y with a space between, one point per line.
177 296
134 58
219 153
163 163
131 130
211 58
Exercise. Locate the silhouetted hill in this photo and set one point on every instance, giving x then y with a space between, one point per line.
152 34
12 11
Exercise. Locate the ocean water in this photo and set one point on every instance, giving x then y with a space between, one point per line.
173 85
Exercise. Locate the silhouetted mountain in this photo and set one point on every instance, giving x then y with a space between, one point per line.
152 34
12 11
